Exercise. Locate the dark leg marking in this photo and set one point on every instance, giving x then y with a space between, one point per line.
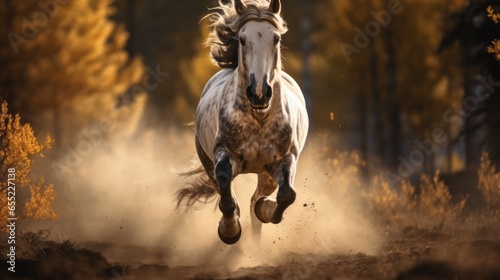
268 210
224 175
229 227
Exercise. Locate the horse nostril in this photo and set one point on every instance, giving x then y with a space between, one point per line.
269 92
250 93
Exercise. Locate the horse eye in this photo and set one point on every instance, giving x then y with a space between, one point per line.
242 41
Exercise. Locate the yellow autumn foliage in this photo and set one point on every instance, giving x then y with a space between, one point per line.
495 47
18 146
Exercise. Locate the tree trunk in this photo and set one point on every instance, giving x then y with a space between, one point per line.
7 91
377 103
468 136
394 115
363 133
130 8
494 123
150 40
449 142
56 126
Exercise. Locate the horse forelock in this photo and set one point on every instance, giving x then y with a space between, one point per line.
226 24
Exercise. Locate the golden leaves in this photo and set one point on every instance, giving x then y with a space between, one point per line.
40 202
77 54
18 144
495 48
494 16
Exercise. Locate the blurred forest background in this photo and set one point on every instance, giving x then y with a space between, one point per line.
412 85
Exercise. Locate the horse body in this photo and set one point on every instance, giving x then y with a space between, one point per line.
251 117
254 140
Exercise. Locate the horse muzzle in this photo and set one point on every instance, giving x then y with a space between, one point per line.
259 100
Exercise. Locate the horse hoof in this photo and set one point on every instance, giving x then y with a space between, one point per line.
230 240
262 209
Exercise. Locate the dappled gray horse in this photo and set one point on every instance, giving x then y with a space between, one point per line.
251 117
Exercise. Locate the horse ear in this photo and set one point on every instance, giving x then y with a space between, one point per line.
275 6
240 6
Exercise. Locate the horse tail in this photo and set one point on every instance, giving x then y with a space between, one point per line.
199 189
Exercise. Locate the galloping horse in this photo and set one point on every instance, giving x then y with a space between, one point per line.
251 117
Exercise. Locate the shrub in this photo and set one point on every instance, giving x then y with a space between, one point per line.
18 146
429 205
489 184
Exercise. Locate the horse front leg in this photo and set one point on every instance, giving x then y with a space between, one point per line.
269 210
265 187
229 226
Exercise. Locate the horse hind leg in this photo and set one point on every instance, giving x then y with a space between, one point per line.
229 226
265 187
270 210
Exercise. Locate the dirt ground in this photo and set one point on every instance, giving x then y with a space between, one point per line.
330 233
410 253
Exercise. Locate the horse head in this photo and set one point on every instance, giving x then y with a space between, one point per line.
259 52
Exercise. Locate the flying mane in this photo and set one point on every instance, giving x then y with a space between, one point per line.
226 24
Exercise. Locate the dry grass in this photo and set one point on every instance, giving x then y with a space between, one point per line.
430 205
489 185
484 221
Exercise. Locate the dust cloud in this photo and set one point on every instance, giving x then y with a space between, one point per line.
124 195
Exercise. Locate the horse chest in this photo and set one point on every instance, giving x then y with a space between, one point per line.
259 149
258 146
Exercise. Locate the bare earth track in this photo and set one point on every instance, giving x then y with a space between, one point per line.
412 253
